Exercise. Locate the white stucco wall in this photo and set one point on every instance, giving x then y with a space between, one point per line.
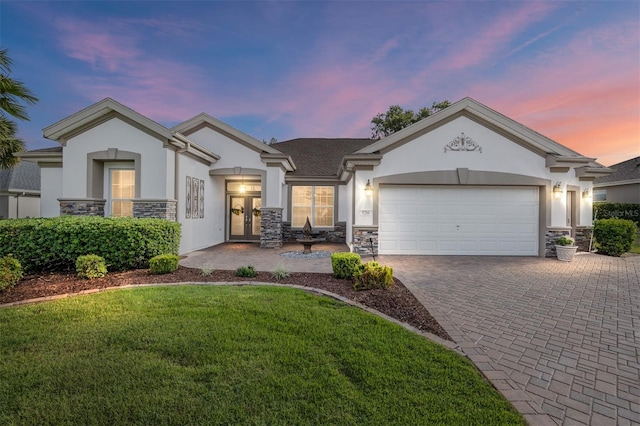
120 135
427 153
50 191
232 153
344 202
200 232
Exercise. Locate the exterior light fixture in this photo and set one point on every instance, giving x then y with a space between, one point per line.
557 190
585 194
368 189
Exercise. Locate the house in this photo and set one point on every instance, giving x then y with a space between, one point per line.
466 180
621 186
20 191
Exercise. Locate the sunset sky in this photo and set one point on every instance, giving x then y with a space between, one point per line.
569 70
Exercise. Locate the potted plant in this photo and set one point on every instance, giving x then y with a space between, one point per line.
565 248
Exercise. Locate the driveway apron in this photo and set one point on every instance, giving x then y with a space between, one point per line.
560 340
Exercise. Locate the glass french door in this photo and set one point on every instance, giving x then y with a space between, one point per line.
244 218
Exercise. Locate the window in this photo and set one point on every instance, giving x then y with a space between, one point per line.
123 186
599 195
314 202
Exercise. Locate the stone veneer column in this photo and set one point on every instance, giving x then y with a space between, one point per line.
160 209
271 227
363 237
82 206
550 238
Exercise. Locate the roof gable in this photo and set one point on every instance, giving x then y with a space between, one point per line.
474 110
205 120
100 112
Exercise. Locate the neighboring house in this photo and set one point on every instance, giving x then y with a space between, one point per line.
466 180
621 186
20 191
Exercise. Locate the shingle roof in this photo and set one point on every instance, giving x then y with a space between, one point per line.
317 156
627 170
23 177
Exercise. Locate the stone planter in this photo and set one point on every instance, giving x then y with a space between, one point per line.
566 253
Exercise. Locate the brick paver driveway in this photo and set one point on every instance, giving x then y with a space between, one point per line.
557 338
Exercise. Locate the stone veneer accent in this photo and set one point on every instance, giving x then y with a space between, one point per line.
271 227
550 238
160 209
335 235
583 237
361 240
82 207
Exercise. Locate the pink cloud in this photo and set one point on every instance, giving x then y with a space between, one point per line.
478 47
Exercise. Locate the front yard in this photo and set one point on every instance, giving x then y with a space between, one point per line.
229 355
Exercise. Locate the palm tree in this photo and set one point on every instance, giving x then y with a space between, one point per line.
12 94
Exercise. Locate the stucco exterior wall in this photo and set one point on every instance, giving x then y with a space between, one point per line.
427 153
116 133
199 232
22 206
50 191
232 154
623 193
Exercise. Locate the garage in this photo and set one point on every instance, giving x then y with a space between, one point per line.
458 220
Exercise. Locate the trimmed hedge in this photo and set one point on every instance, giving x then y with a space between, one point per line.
372 275
10 271
54 244
617 211
614 237
345 265
90 266
163 264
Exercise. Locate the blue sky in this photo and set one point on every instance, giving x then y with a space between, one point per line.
570 70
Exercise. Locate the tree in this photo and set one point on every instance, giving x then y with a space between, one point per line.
13 94
396 118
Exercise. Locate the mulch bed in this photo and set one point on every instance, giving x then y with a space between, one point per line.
397 302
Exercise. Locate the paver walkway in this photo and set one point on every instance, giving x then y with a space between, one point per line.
561 339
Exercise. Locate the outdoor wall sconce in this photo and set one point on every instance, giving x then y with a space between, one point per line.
585 194
368 189
557 190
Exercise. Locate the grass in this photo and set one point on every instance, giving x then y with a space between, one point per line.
229 355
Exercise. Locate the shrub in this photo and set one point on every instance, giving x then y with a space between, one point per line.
10 271
206 271
54 244
345 265
565 241
246 271
163 264
373 275
614 237
90 266
280 273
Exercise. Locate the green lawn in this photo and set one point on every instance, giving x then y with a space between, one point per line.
229 355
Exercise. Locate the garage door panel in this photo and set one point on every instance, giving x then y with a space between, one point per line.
457 220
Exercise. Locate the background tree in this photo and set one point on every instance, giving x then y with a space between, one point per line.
397 118
13 94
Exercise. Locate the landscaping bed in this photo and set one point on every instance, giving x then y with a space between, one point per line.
397 302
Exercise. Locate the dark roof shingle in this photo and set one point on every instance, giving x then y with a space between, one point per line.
627 170
318 156
23 177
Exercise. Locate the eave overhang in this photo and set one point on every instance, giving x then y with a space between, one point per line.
278 159
43 159
590 173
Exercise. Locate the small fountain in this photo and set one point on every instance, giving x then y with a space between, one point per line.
307 239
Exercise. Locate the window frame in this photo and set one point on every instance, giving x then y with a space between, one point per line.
108 169
312 206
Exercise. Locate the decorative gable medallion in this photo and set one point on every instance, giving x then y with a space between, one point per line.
462 143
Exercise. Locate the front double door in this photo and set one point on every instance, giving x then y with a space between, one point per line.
244 222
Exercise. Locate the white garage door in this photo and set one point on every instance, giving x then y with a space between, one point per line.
458 220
